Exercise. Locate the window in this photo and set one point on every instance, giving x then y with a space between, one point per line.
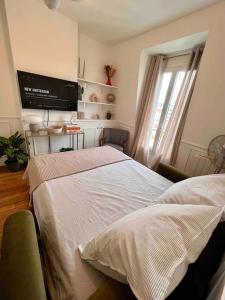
169 88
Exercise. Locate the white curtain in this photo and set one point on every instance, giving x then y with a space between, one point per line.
185 96
140 148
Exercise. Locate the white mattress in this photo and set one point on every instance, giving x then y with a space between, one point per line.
73 209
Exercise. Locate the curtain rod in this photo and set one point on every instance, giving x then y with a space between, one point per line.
177 55
185 52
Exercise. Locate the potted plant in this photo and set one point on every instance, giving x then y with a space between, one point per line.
12 148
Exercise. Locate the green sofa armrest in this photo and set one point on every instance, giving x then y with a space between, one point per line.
171 173
21 276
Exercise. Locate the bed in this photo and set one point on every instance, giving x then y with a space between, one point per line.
98 187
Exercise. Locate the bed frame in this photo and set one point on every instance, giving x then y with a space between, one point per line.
21 275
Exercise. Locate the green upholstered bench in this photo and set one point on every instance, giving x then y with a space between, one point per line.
21 276
171 173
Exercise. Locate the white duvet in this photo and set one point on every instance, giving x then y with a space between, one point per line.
73 209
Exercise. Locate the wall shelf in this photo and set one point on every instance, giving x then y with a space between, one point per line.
95 120
97 83
98 103
99 109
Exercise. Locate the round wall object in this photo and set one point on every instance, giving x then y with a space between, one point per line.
110 98
93 97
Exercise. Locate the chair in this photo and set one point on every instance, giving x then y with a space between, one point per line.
116 138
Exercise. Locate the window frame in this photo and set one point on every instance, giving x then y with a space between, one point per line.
175 71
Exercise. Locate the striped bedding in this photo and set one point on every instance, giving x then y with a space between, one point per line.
45 167
73 209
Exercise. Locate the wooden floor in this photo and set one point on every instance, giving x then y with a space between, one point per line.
14 194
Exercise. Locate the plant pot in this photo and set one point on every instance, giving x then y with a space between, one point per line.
13 166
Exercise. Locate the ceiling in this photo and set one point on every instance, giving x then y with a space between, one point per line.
113 21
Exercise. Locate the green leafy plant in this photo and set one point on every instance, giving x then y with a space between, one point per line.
12 147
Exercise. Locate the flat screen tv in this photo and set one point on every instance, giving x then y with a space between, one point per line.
42 92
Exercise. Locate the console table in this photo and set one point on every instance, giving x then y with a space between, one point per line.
31 136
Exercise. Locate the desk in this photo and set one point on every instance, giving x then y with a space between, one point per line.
30 137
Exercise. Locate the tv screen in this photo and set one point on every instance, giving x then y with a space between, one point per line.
42 92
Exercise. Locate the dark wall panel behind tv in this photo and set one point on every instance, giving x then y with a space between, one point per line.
42 92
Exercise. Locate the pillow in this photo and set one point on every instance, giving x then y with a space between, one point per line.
151 248
202 190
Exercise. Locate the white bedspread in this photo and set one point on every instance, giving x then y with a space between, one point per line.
72 210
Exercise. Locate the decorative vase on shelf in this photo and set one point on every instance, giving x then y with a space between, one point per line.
109 81
110 71
34 122
109 115
80 92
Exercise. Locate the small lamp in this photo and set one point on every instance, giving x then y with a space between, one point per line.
34 122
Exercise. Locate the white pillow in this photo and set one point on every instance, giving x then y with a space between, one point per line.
202 190
152 247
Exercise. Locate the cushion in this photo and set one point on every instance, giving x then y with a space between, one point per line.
117 147
152 247
202 190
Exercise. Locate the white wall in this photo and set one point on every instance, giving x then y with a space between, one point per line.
96 55
9 98
43 41
206 114
8 93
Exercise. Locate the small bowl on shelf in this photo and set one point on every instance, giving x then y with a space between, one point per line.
55 129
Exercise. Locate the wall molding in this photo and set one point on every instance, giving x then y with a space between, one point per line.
193 159
194 145
9 124
126 124
5 128
10 117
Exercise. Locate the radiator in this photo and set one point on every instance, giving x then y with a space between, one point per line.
198 163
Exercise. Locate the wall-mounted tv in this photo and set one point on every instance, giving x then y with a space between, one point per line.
42 92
